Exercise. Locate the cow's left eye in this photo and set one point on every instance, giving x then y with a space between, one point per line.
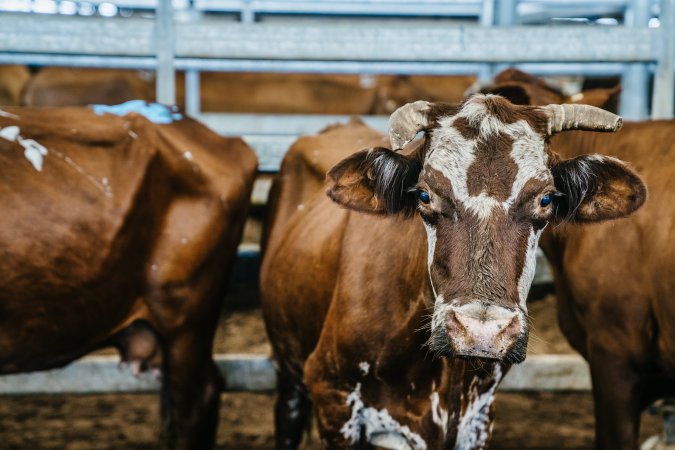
423 196
546 200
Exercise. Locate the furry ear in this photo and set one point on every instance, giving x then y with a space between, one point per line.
376 181
605 98
516 93
596 188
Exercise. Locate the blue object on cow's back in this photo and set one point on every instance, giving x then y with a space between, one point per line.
154 112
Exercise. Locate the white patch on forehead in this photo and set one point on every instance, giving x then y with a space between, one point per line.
478 116
531 164
438 414
474 427
33 151
529 267
364 367
379 428
452 155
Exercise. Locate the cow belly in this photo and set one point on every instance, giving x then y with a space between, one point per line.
298 277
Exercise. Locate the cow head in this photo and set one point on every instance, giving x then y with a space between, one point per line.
485 184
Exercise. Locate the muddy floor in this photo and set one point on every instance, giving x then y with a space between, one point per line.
131 421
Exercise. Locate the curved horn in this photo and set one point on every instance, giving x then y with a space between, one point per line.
406 122
580 117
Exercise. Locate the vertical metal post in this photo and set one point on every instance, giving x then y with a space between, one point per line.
487 13
247 12
487 19
664 78
164 39
635 79
506 15
192 93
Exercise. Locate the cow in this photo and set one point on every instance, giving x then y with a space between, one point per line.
396 303
522 88
120 231
63 86
614 281
13 79
244 92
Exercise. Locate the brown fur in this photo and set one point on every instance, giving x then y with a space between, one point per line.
341 288
142 269
13 80
614 283
615 280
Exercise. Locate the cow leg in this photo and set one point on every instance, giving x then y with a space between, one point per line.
292 411
190 394
616 395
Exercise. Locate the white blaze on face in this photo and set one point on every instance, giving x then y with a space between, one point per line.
529 267
431 249
474 425
452 155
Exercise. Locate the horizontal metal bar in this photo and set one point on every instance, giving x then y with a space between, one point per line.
549 373
99 374
437 8
289 124
331 41
246 372
319 67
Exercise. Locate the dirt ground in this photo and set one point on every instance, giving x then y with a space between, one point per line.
131 421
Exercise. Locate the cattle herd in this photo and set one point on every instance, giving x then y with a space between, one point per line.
395 270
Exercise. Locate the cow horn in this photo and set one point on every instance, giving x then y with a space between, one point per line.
580 117
406 122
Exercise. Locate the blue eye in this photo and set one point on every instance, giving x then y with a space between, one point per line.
424 196
546 200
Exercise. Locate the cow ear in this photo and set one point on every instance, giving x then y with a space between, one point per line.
516 93
596 188
605 98
376 181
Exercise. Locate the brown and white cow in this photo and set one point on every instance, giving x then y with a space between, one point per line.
615 281
118 231
399 324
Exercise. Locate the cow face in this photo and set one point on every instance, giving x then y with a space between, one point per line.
485 186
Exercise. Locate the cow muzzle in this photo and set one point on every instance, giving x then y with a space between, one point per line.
482 330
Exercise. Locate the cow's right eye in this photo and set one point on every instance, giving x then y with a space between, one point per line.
423 196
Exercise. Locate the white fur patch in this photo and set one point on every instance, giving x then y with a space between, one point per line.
529 267
378 426
474 429
33 151
452 155
431 249
438 414
364 367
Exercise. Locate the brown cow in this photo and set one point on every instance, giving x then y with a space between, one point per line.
60 86
615 282
399 324
13 79
247 92
522 88
118 231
